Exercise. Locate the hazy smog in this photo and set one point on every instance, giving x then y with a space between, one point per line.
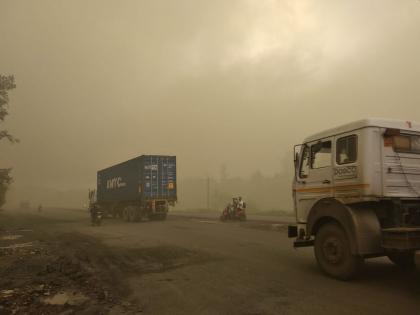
226 157
227 86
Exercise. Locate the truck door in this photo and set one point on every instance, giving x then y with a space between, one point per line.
347 181
314 180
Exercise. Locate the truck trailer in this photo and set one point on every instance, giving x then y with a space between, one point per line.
140 188
357 195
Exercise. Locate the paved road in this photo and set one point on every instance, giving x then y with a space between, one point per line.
251 217
242 268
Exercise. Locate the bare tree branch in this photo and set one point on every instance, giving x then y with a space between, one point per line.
4 134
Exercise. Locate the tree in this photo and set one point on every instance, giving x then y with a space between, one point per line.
7 83
5 181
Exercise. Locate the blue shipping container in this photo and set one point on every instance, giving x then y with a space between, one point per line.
147 177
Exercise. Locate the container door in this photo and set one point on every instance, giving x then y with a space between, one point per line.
159 177
167 177
150 176
154 176
314 178
170 175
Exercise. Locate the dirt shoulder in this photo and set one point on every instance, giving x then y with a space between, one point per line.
46 268
45 272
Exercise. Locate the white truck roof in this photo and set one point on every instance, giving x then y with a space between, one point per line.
363 123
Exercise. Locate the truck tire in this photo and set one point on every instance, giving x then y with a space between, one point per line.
132 214
403 259
126 215
333 254
137 214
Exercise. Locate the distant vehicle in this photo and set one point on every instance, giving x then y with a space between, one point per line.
357 194
140 188
234 212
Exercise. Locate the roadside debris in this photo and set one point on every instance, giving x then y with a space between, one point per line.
20 245
52 277
70 298
10 237
72 273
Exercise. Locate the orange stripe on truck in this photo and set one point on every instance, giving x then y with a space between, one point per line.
333 188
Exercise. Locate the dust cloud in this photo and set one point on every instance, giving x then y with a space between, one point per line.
226 86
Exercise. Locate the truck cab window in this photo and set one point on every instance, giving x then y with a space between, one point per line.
346 150
304 166
406 143
321 154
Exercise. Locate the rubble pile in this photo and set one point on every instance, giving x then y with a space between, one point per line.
46 275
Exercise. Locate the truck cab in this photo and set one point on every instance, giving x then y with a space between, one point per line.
356 194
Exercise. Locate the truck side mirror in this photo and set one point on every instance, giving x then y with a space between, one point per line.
297 150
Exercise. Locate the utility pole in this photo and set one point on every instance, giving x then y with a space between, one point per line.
208 193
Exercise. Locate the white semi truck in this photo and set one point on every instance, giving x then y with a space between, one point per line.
357 195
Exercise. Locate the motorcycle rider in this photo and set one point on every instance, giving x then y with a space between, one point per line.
234 207
241 203
94 209
240 209
234 210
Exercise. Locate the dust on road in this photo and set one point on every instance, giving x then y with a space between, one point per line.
56 263
69 273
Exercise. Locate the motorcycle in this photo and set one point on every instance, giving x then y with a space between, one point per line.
230 213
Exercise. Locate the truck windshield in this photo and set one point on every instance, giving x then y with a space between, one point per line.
406 143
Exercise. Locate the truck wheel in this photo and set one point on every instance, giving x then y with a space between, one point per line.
126 215
403 259
333 254
132 214
137 214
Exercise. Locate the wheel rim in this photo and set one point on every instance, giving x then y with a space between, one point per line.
332 248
